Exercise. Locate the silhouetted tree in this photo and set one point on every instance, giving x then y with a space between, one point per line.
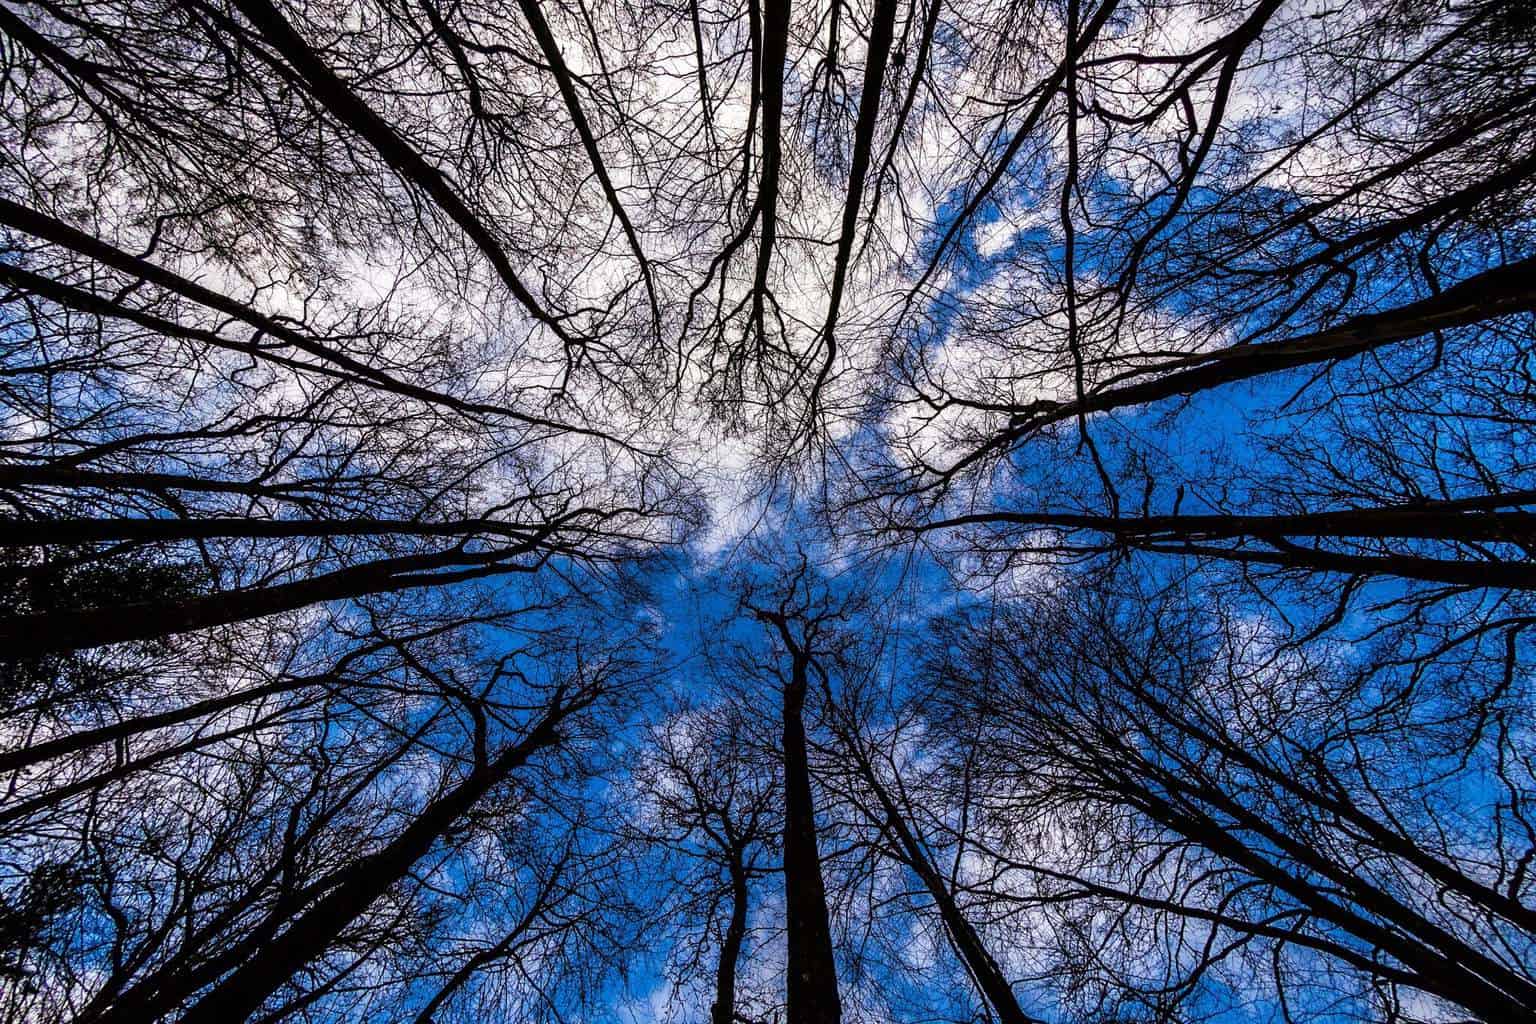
363 364
1152 758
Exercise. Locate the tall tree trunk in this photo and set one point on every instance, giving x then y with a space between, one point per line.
31 635
723 1010
239 995
120 732
811 975
1446 967
1471 521
983 968
1502 291
264 968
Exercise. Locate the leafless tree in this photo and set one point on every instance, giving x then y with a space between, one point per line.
801 617
1147 762
711 797
362 364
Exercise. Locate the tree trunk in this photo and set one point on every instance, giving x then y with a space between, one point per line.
723 1010
239 995
811 975
1502 291
25 636
983 968
270 965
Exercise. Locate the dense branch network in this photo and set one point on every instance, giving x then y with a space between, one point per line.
1132 401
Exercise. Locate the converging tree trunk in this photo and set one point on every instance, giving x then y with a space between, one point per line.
265 966
979 963
810 989
811 977
723 1009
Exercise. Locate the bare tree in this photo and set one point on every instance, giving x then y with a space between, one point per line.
887 802
801 617
1273 806
710 796
360 362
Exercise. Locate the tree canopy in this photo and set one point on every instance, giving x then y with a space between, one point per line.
768 513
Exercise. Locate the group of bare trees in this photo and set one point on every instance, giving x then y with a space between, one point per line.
1112 799
1131 400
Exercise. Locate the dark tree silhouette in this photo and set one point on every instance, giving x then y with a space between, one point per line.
1300 807
484 487
711 796
801 616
